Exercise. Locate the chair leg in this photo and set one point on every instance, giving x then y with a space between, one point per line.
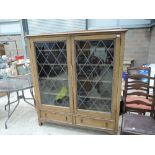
141 113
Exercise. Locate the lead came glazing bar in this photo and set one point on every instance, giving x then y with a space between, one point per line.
94 67
53 72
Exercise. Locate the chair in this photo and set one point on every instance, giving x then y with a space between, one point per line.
133 124
136 123
145 81
136 97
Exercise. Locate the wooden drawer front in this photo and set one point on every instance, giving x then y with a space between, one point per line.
58 117
96 123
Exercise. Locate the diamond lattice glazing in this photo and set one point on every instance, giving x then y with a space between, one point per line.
94 66
52 70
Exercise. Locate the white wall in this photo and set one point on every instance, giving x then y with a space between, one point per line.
42 26
12 27
117 23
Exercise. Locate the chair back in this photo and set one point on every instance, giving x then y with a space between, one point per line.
134 86
142 71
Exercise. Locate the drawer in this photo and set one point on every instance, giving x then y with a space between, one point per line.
95 123
58 117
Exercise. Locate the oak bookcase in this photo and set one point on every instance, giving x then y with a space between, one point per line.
77 77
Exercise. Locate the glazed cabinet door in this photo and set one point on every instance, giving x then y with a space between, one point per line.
52 75
95 78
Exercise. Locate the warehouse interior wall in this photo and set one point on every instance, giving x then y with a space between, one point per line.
151 54
140 45
137 43
45 26
139 39
10 48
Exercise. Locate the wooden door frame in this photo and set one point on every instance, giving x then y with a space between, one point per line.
35 75
97 114
119 84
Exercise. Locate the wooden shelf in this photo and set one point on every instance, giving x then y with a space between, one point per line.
92 97
91 80
53 78
50 64
94 64
51 93
92 48
56 50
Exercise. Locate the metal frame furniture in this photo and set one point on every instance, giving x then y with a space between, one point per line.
17 85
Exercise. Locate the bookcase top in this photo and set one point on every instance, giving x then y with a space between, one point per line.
82 32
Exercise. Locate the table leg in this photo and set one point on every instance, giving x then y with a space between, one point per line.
25 99
10 103
31 91
9 111
18 100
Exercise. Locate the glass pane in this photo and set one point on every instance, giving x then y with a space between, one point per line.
94 67
53 72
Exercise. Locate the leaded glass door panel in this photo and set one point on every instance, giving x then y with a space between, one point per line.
94 74
52 65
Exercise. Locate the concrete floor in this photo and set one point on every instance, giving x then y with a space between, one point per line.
24 122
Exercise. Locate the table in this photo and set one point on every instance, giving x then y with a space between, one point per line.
16 84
